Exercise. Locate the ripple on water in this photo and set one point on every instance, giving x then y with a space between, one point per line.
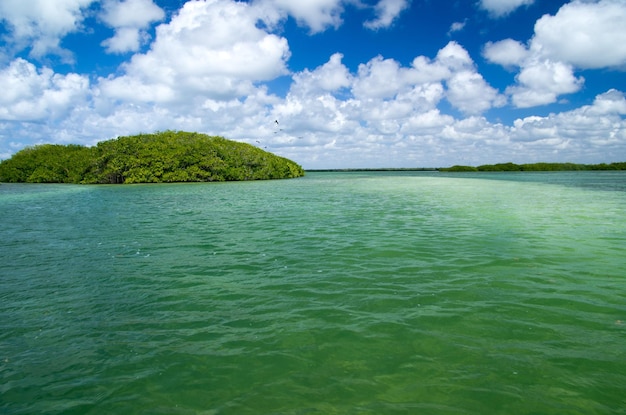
375 294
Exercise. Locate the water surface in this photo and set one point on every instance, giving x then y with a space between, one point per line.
368 293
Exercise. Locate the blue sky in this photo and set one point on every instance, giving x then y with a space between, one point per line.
353 83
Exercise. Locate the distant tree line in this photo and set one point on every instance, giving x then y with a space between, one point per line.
169 156
536 167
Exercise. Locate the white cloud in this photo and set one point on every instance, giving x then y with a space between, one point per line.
581 35
467 89
430 122
386 12
584 34
129 18
400 123
317 15
500 8
207 68
41 24
126 39
429 71
457 27
320 15
506 52
455 57
330 77
597 130
380 78
611 102
209 49
542 82
32 95
472 129
385 108
424 96
471 94
396 135
383 79
131 13
382 101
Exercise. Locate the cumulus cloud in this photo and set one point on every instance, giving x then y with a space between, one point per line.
506 52
595 130
500 8
317 15
386 12
428 123
29 94
380 78
330 77
455 57
400 120
384 101
207 70
542 82
429 71
467 89
320 15
41 24
209 49
130 19
402 131
471 94
584 34
581 35
611 102
457 27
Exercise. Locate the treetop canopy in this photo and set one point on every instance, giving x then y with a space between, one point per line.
169 156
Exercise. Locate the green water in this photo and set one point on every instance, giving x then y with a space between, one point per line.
336 293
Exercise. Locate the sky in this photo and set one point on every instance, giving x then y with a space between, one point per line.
326 83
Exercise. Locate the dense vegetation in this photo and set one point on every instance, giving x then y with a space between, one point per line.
537 167
170 156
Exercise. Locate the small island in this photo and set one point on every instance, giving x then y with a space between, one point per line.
510 167
162 157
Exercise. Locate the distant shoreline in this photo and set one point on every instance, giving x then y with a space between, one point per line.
500 167
374 169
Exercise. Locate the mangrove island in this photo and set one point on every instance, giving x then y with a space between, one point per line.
162 157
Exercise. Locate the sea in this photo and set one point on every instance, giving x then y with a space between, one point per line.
336 293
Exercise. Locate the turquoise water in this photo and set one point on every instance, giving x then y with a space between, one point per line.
336 293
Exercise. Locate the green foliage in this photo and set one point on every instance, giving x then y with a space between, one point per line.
554 167
500 167
169 156
458 168
47 163
509 167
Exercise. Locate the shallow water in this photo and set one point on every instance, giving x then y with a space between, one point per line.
368 293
